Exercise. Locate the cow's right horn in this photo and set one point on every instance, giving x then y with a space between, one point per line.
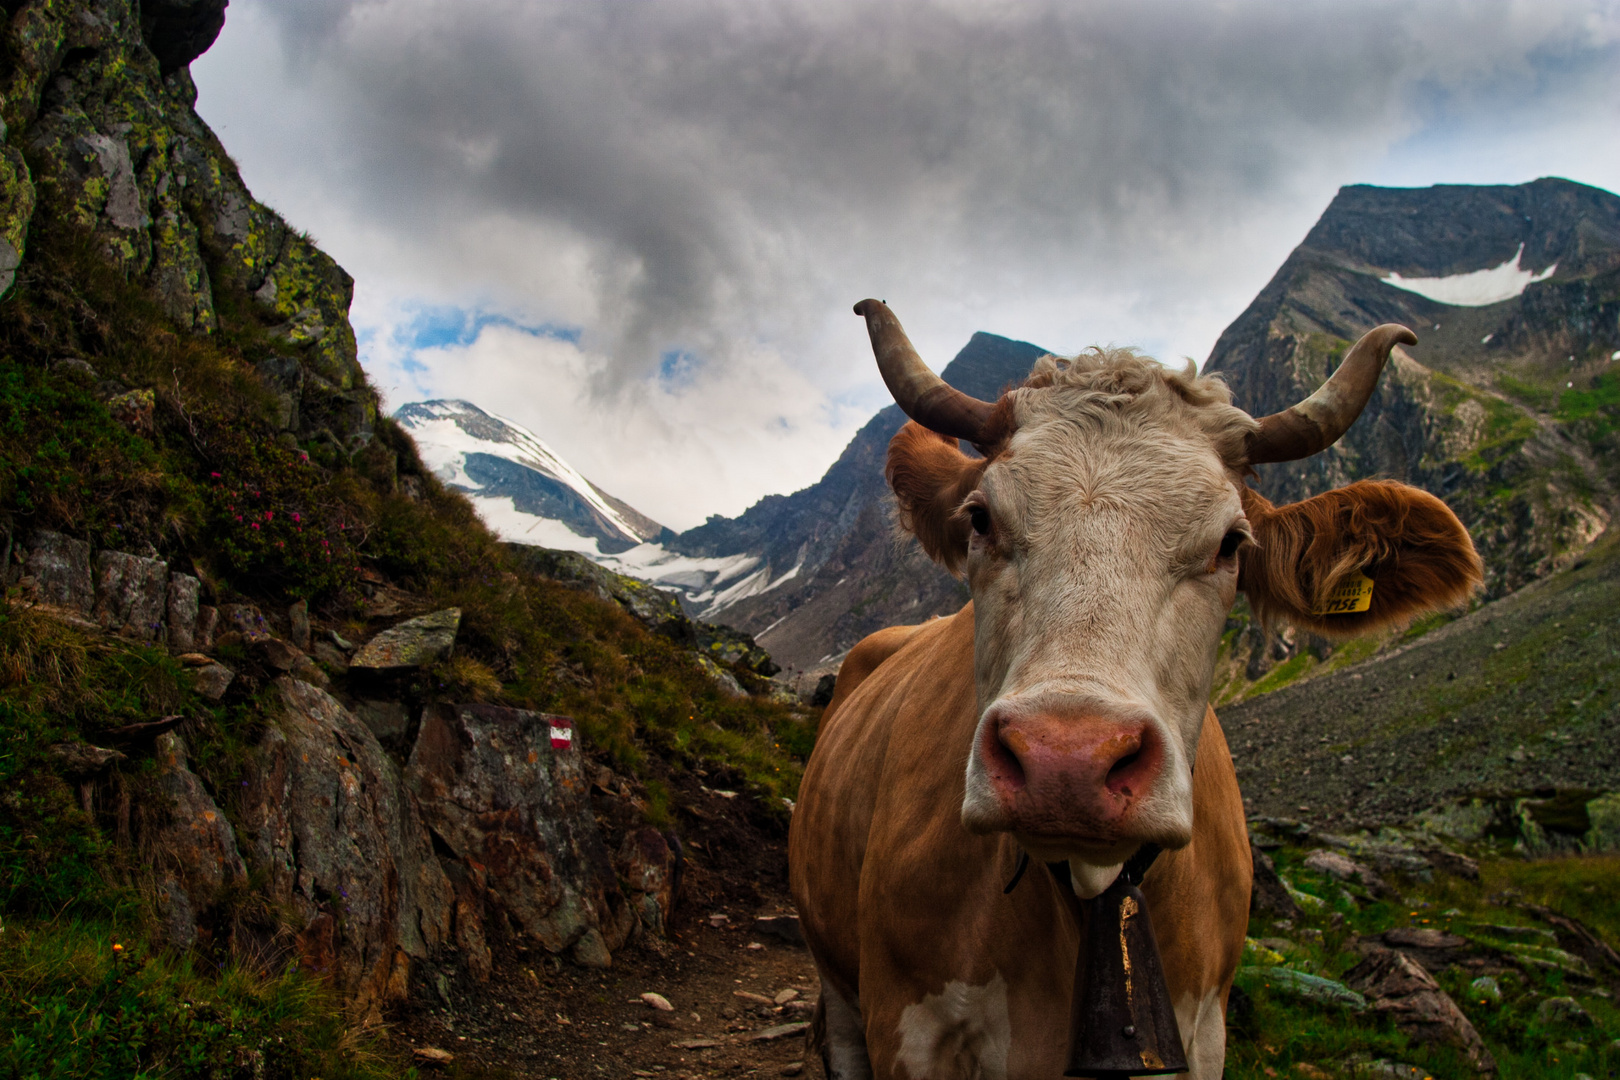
1317 422
921 395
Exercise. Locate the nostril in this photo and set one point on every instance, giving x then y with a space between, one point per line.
1123 766
1128 775
1001 753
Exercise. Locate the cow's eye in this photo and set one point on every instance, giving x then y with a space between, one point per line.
979 518
1231 542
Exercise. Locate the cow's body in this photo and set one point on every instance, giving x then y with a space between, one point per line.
905 909
1063 715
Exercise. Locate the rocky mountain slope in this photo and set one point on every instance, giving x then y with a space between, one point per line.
289 741
1505 407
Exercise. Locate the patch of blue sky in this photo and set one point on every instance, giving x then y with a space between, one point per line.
437 326
677 368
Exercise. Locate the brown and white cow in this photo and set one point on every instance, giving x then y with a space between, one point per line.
1104 535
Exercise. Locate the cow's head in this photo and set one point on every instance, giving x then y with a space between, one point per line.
1104 534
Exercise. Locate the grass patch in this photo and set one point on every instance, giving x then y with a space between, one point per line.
1282 1035
79 1000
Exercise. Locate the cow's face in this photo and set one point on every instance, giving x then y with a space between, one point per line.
1104 539
1101 544
1102 566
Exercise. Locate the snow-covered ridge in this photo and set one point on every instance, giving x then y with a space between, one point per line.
1476 289
546 502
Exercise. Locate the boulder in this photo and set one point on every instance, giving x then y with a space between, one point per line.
1268 895
298 624
134 409
1562 1013
341 847
244 620
79 760
207 627
277 654
426 639
132 594
1400 987
650 868
188 845
181 610
212 680
60 568
1434 949
1344 868
505 791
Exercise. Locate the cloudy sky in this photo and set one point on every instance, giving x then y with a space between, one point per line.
638 227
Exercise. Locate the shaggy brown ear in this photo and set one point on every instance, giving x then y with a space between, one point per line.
930 476
1411 545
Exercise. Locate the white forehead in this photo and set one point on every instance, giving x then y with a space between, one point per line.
1116 440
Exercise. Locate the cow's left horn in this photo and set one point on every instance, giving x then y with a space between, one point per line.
1317 422
921 395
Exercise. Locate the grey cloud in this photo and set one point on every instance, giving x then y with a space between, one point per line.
728 163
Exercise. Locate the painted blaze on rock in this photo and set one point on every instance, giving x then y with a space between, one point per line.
426 639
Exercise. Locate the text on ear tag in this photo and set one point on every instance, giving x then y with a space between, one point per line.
1349 596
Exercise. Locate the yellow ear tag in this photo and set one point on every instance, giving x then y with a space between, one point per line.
1351 595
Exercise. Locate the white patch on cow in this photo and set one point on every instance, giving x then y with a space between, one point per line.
1089 881
961 1033
1203 1034
843 1038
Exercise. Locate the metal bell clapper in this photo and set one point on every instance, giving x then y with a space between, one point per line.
1121 1018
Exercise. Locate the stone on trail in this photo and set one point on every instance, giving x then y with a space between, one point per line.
1401 988
783 927
756 999
648 864
432 1055
657 1001
779 1031
426 639
785 996
695 1044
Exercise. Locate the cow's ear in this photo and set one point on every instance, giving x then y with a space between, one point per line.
930 476
1409 543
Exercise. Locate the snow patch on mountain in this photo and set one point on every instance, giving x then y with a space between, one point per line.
1478 288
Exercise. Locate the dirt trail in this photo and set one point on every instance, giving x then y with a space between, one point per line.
539 1018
